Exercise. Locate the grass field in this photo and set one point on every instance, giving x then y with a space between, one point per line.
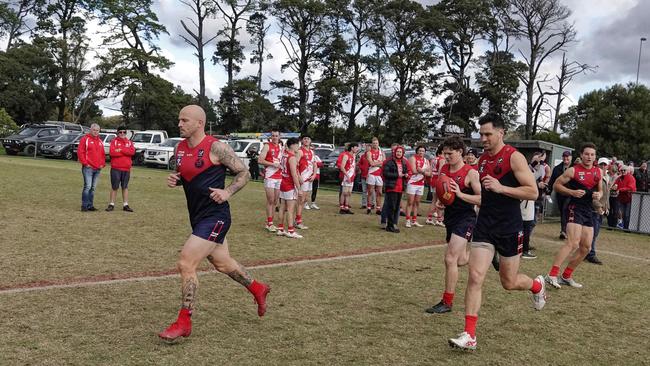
350 311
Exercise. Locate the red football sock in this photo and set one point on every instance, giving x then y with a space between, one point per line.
184 315
537 287
291 229
281 227
448 298
298 219
554 271
255 287
269 220
430 217
470 324
567 273
408 218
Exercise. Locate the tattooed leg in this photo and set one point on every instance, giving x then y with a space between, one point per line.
188 290
241 275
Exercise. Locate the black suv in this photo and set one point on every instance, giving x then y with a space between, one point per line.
25 141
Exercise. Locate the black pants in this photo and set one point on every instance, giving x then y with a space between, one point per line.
254 169
612 218
562 201
314 189
528 231
392 201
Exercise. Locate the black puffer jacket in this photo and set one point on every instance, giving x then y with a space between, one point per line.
391 174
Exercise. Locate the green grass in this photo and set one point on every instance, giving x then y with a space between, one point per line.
361 311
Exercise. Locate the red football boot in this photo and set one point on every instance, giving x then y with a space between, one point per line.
259 291
182 327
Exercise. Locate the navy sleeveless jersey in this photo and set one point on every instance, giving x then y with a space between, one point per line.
459 210
198 174
587 180
499 213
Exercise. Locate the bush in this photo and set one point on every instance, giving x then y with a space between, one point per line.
7 124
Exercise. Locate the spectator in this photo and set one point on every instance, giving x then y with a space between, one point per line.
561 199
395 172
528 218
316 183
253 165
613 173
601 208
121 151
625 185
363 170
92 158
642 177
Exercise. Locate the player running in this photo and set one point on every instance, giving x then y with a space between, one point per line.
460 216
307 172
346 174
581 184
421 170
505 181
201 162
289 189
374 182
270 159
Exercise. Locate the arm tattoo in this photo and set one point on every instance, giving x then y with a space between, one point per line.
241 275
228 158
189 293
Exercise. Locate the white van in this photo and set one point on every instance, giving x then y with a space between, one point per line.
242 147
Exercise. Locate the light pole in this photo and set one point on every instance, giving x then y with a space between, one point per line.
638 66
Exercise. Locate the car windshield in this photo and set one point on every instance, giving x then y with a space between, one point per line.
322 153
239 146
29 131
141 137
335 153
170 143
66 138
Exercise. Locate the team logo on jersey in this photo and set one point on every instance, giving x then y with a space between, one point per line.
581 176
198 163
482 167
200 154
178 161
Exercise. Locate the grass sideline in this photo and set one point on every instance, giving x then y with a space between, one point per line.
362 311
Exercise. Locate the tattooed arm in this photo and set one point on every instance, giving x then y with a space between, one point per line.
225 155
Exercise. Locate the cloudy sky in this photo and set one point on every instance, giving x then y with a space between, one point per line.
608 33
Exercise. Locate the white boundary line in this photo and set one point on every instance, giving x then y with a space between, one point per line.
262 266
598 251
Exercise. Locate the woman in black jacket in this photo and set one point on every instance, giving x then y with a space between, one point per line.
395 172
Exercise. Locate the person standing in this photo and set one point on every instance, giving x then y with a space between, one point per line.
421 169
581 183
642 178
376 158
395 171
435 216
347 172
92 158
253 165
561 199
201 162
121 151
601 208
614 174
363 167
319 164
625 185
270 159
505 181
307 171
290 192
460 217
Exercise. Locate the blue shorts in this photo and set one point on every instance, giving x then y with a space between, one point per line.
463 228
212 229
119 178
580 215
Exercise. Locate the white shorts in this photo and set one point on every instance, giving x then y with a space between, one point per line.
272 183
289 195
347 184
374 180
415 189
306 186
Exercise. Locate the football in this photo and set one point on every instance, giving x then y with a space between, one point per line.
443 190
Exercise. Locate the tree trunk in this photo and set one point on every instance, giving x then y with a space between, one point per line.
355 91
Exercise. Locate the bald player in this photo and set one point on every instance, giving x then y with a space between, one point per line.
201 163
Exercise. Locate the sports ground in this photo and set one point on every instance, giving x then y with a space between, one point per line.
95 288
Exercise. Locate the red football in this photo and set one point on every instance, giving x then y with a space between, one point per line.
443 190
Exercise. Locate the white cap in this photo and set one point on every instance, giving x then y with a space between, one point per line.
603 161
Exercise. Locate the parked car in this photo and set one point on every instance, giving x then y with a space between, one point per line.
162 155
318 145
322 153
61 147
242 147
144 140
69 127
25 140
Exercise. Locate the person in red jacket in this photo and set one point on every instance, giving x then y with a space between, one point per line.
121 151
92 158
625 185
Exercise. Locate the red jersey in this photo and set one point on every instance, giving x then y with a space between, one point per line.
435 169
306 163
587 180
121 160
287 180
459 210
376 155
417 179
273 156
348 171
91 152
364 165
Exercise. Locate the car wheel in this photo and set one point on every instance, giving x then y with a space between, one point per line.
29 150
139 159
172 163
68 155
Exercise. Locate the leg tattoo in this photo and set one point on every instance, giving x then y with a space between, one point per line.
189 293
241 275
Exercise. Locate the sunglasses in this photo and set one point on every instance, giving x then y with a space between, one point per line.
121 132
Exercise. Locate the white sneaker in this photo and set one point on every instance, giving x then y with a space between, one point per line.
464 341
408 223
569 282
539 299
315 206
552 280
417 224
307 207
302 226
293 235
429 222
439 223
280 233
271 228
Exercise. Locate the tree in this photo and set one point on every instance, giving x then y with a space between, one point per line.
568 70
7 124
616 119
544 24
202 9
13 18
258 28
229 50
251 111
303 36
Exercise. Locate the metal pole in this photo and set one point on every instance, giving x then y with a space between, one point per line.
638 65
